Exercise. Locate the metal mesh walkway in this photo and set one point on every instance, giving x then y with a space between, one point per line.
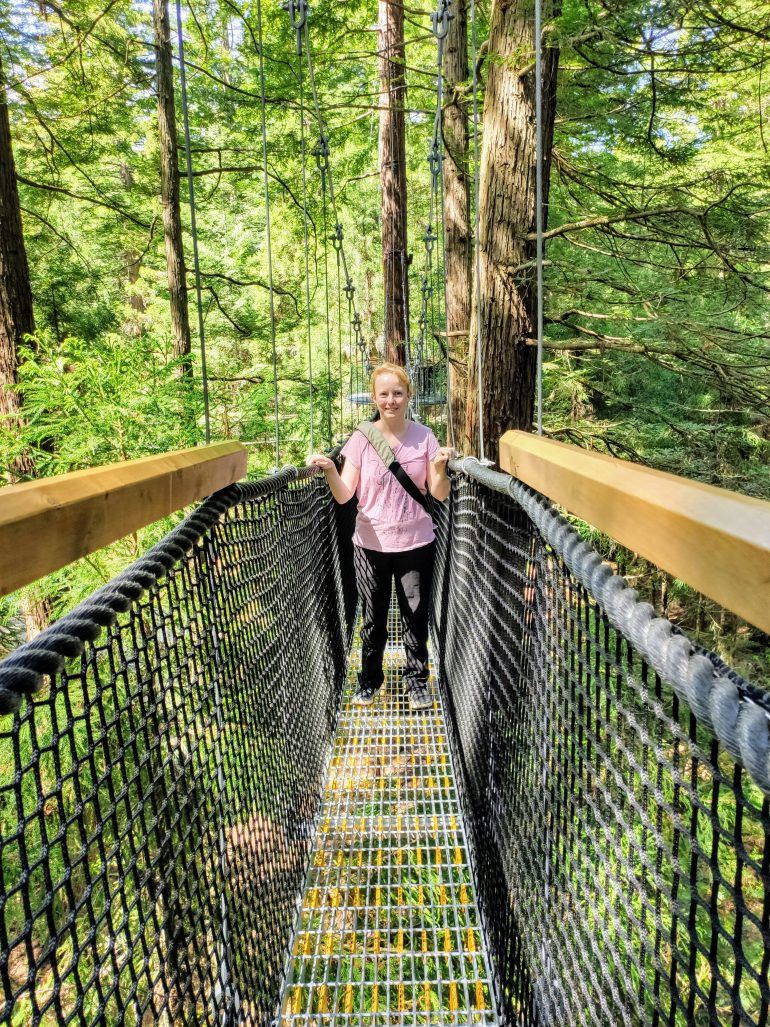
389 931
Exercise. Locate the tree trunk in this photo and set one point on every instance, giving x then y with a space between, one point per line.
16 314
133 263
169 185
133 271
393 178
505 305
17 320
457 210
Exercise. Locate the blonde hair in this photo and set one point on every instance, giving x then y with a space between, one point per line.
388 368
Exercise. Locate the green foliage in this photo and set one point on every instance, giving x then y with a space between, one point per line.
661 308
657 312
114 397
656 316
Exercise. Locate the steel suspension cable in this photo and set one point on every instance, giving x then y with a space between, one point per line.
440 22
539 314
539 203
432 294
328 181
539 265
325 136
337 243
306 248
323 165
422 325
430 238
298 11
477 232
263 125
351 345
193 225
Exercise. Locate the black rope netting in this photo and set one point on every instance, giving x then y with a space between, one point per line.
158 800
620 850
158 797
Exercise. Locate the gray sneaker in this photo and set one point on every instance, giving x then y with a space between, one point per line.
420 697
366 695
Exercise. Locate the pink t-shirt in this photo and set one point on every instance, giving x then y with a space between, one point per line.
389 520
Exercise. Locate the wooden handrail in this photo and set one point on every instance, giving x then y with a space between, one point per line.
48 523
715 540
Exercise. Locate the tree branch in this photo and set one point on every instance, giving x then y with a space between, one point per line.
602 220
84 199
245 283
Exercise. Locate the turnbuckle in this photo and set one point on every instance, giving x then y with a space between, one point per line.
321 153
356 322
435 161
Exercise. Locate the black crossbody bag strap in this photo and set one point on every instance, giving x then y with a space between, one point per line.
408 485
380 443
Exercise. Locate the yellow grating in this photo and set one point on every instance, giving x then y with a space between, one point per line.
389 928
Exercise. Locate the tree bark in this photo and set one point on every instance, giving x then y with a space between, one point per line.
133 262
169 185
457 210
392 147
17 320
16 312
504 306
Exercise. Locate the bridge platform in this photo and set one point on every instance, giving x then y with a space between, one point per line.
389 931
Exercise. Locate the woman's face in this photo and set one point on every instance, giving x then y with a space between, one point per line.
390 396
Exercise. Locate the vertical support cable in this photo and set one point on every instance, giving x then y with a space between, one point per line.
323 164
442 249
267 228
539 203
193 227
327 178
440 24
477 233
303 149
297 11
337 249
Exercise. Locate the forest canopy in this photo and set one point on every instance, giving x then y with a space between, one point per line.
657 335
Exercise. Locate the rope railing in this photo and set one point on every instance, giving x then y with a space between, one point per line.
615 779
157 797
161 773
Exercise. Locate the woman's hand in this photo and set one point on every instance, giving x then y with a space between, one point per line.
443 456
438 482
343 487
321 461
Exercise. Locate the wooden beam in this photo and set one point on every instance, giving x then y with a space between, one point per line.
715 540
48 523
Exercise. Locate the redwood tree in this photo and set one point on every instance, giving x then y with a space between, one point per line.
504 305
457 227
17 321
16 313
392 157
169 183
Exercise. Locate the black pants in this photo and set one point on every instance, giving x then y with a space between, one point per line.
413 573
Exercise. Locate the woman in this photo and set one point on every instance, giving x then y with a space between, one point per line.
394 535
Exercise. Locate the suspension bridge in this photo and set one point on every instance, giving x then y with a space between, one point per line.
198 827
